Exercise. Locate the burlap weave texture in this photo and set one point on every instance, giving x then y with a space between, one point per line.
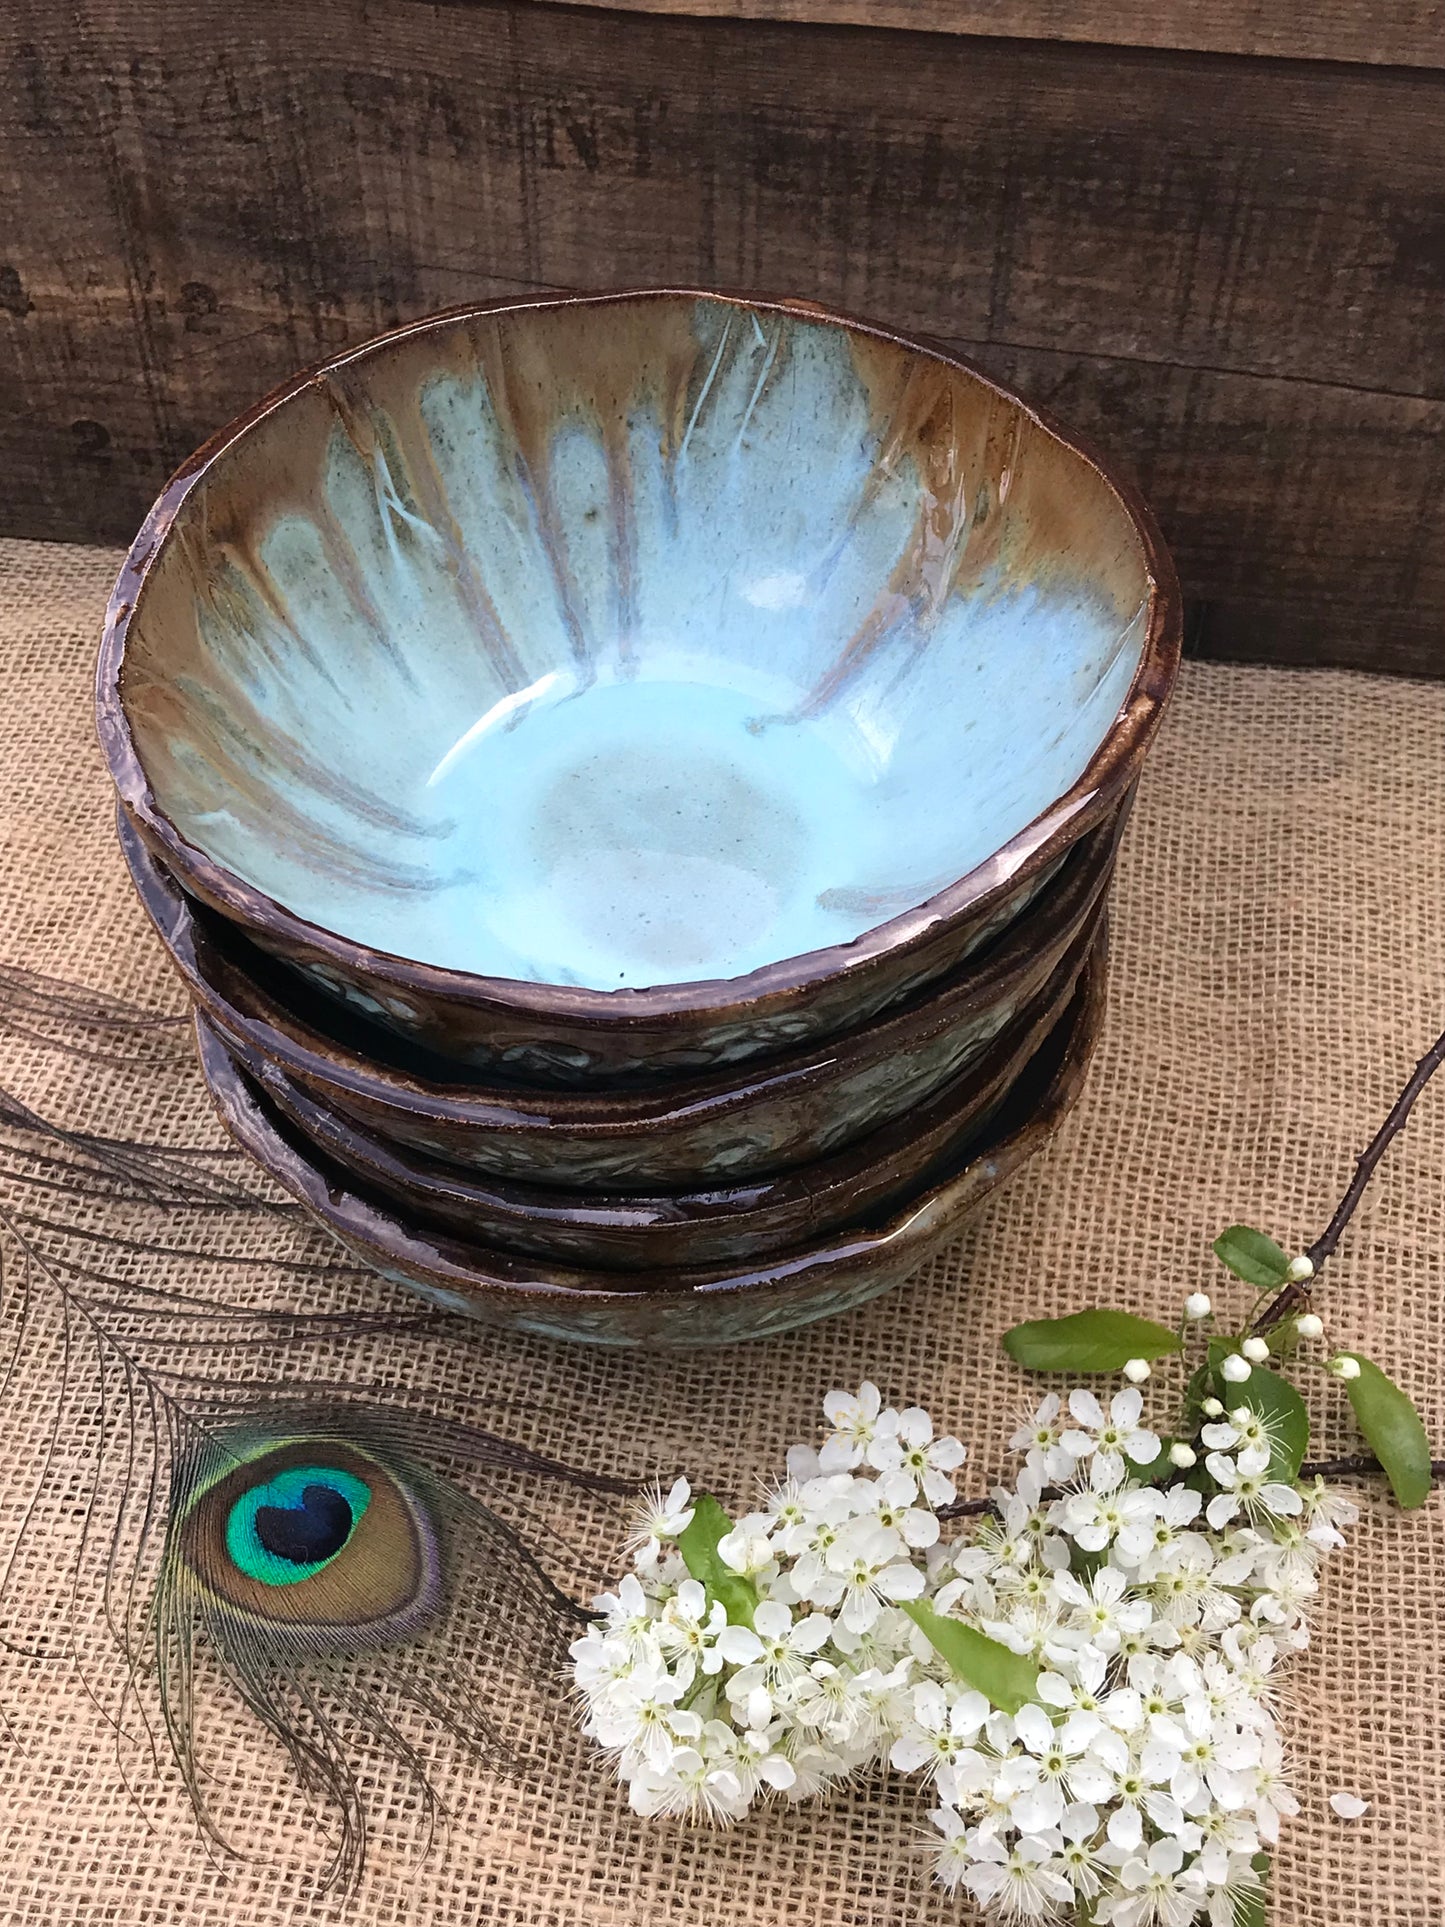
1278 963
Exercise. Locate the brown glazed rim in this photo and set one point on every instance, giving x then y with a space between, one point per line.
1111 767
482 1271
263 1028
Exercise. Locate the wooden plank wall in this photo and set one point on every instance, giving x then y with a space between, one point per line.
1228 269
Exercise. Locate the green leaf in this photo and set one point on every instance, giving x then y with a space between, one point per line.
1005 1678
1272 1399
1087 1341
698 1544
1252 1256
1250 1910
1392 1426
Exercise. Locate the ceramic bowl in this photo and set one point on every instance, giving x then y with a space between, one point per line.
698 1306
689 1228
597 687
724 1129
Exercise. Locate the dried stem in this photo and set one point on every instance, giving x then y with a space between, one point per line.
1323 1248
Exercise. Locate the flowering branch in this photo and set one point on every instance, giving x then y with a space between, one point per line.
1083 1682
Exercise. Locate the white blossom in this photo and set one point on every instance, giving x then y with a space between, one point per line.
941 1726
908 1446
854 1419
1115 1436
1245 1489
1096 1516
1158 1889
658 1518
1026 1883
1147 1769
1038 1436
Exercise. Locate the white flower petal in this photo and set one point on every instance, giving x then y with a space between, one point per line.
900 1582
777 1771
1283 1500
938 1488
1086 1409
1036 1730
1125 1407
911 1751
914 1426
1126 1829
1349 1806
739 1645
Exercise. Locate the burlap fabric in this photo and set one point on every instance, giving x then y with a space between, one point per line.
1279 961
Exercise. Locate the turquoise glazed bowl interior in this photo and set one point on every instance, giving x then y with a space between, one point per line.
624 642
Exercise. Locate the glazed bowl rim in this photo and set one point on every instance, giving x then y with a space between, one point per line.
1109 769
984 1081
557 1283
590 1115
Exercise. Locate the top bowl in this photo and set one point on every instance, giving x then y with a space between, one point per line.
607 685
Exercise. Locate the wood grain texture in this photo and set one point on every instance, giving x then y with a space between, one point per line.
1231 273
1404 33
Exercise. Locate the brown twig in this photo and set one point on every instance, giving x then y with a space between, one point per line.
966 1509
1323 1248
1361 1462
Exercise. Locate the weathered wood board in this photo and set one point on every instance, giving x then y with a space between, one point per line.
1229 271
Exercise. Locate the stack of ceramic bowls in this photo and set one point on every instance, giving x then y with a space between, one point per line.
631 785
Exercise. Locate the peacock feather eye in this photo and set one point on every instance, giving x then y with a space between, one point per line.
290 1527
315 1533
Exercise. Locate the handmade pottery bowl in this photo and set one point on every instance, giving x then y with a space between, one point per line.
601 686
801 1106
697 1306
689 1228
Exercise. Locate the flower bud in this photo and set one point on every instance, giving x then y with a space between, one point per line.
1235 1369
1183 1455
1136 1370
1344 1366
1300 1269
1197 1306
1212 1408
1310 1325
1256 1350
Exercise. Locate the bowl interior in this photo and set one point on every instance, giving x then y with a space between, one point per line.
628 642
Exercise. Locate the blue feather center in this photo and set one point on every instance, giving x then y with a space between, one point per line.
295 1524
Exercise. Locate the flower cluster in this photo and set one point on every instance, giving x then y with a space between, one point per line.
1103 1744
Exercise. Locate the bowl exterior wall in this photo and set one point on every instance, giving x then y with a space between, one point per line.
699 1135
687 1229
686 1309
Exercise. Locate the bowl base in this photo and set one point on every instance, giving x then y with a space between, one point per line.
618 833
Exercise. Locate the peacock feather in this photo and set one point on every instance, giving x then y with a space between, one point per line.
257 1500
